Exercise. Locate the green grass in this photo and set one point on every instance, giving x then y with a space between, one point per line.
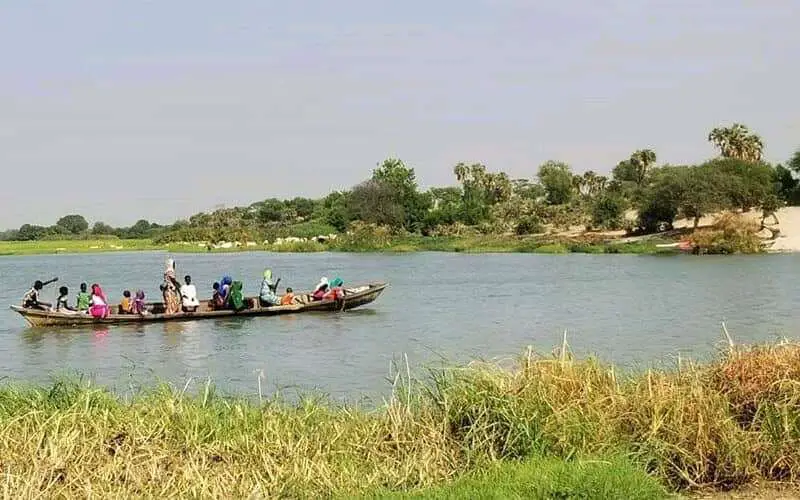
469 244
547 478
481 430
74 246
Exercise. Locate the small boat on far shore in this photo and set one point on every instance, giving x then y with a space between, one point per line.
353 297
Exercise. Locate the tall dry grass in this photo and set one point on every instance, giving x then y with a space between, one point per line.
723 424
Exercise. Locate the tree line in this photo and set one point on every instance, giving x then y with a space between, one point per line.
492 202
75 226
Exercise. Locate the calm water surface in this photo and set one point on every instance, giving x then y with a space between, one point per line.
629 309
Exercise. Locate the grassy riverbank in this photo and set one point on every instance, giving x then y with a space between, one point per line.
476 430
472 244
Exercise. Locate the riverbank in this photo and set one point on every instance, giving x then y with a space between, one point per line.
481 428
472 244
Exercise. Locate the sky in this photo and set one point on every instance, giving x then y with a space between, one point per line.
121 110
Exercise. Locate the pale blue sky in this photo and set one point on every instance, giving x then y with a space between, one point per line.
121 110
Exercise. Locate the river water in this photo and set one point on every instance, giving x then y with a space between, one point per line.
635 310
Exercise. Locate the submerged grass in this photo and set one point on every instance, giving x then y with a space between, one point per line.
481 428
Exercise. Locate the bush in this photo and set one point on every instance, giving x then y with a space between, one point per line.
608 212
364 237
531 224
731 233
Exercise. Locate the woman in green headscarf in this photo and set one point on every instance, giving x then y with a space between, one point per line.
267 297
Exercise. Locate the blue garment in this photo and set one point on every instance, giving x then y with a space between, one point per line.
224 286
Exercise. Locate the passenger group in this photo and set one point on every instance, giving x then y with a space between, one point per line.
177 298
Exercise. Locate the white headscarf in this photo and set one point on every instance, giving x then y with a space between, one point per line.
322 282
170 270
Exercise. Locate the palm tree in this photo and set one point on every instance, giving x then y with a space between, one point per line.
642 160
737 142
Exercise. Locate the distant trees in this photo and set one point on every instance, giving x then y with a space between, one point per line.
737 141
556 178
74 224
635 169
481 190
489 201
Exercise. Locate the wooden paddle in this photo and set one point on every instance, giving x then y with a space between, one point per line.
53 280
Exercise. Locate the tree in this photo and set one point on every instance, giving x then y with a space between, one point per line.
608 211
28 232
74 224
745 184
702 191
303 207
636 168
141 229
527 190
271 210
481 190
737 142
556 177
102 229
402 179
379 203
590 185
787 185
335 210
658 204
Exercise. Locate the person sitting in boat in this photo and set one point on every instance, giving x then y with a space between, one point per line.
61 302
336 290
288 298
84 299
267 297
138 306
225 287
216 302
126 304
321 289
99 307
235 299
189 295
31 299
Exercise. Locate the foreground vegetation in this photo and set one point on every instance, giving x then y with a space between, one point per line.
550 201
480 429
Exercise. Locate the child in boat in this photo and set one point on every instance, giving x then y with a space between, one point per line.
216 301
138 305
84 299
288 299
61 302
126 304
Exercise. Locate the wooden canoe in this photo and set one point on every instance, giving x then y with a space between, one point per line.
353 297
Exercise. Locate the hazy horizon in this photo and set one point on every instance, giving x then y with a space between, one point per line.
127 110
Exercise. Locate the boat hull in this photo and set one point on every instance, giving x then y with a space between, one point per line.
355 297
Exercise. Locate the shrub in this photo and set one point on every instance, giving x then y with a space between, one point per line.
731 233
364 237
608 212
531 224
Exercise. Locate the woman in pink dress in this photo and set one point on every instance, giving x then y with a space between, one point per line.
99 307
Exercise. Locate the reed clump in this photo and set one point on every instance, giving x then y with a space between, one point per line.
727 423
